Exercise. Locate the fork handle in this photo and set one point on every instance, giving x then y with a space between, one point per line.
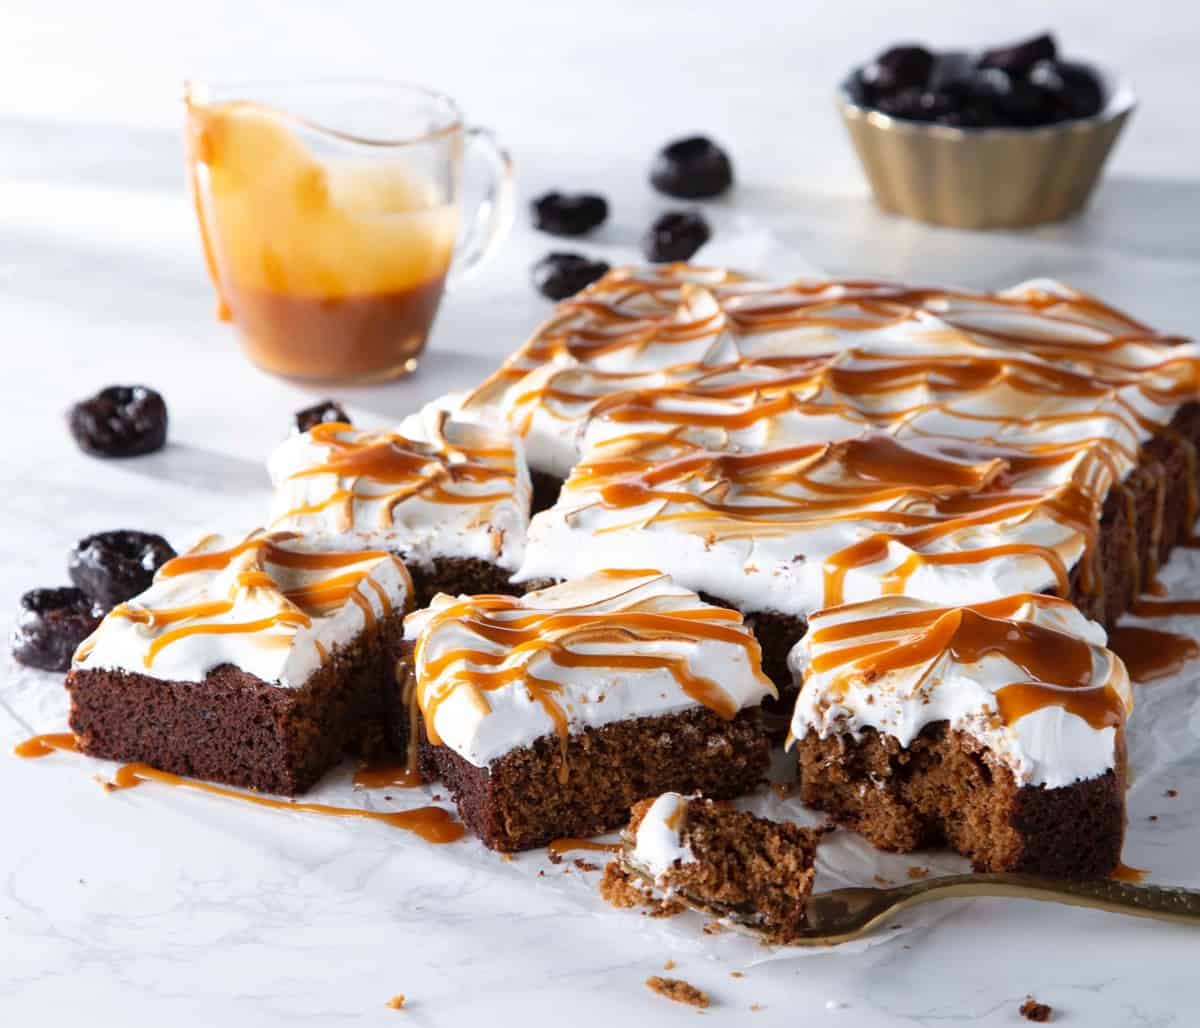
1163 903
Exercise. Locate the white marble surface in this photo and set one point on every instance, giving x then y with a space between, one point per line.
155 907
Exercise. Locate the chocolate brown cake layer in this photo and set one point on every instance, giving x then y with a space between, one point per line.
458 575
546 488
947 788
539 793
758 869
237 729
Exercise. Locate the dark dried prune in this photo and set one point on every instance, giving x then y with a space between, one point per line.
120 421
915 104
112 567
50 626
901 67
559 275
1019 58
320 414
1073 89
692 168
569 214
675 236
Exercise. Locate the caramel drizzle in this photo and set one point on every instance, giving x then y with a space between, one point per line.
511 635
296 607
630 311
433 824
1059 667
559 847
925 497
365 461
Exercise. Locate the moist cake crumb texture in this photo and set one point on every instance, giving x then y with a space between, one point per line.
758 871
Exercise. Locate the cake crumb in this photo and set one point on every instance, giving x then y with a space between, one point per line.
713 928
619 890
586 865
916 871
1171 793
670 965
737 974
783 789
677 990
1152 817
880 880
1032 1010
396 1002
755 1007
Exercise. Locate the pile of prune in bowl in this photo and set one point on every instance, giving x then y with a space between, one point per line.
1022 85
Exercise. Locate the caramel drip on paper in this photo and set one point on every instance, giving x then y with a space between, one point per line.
433 824
1149 653
1156 608
511 635
559 847
386 774
44 745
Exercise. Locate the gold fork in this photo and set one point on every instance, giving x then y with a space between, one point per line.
843 914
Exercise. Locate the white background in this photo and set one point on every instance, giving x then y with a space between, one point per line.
128 910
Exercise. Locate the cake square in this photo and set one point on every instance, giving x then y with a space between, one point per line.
257 662
549 715
447 495
996 728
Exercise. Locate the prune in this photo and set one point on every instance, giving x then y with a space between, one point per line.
675 236
914 104
1018 86
112 567
50 626
692 168
953 72
320 414
120 421
1073 89
1019 58
559 275
899 68
569 214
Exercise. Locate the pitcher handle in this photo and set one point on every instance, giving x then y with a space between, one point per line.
493 216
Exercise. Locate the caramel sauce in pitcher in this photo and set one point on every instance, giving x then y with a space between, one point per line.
331 269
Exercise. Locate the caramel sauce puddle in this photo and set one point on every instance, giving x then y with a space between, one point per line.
433 824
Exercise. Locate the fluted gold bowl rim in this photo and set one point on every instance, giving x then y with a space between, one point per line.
994 177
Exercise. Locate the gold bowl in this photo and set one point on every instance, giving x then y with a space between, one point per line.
985 177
